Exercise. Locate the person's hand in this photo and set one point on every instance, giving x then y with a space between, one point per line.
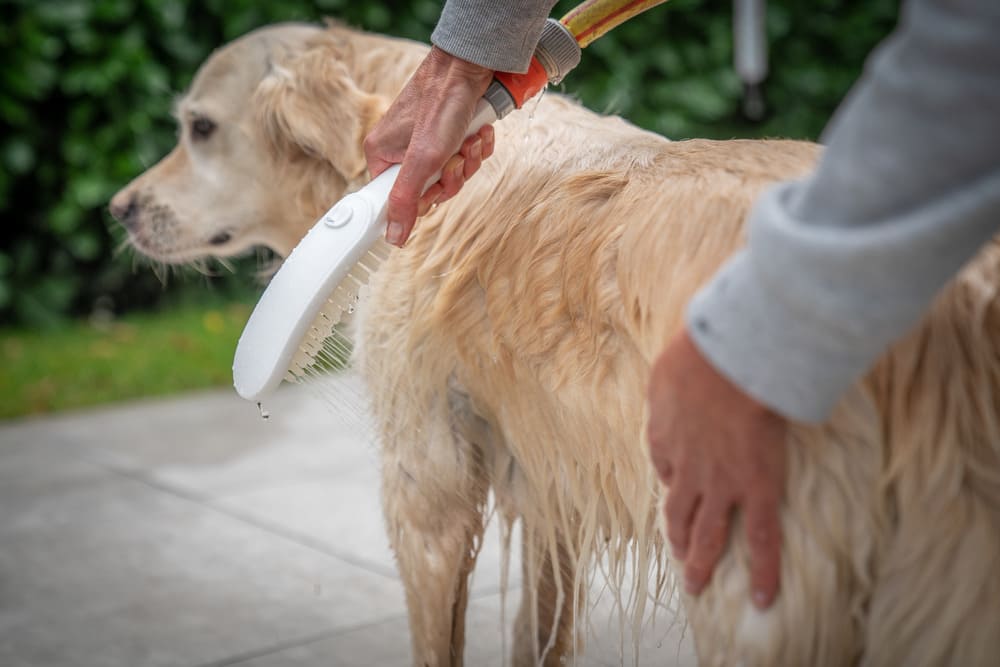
424 130
717 450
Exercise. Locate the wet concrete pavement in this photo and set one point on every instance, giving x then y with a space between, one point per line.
191 532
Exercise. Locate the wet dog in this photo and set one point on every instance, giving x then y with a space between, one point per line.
507 348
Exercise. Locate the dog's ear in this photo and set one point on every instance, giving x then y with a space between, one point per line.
312 104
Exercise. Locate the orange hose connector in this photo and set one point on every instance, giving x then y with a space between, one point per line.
594 18
585 23
522 87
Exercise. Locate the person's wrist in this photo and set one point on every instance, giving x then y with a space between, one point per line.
444 63
735 396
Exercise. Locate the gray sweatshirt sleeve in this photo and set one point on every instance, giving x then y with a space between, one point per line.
493 33
839 265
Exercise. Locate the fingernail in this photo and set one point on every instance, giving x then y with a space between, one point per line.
394 234
760 599
476 150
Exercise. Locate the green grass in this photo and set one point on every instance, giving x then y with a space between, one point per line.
151 354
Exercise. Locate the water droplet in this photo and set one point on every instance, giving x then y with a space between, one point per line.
264 414
534 102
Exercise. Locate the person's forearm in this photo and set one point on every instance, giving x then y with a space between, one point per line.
908 189
495 34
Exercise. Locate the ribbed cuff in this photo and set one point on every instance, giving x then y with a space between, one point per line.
498 35
782 358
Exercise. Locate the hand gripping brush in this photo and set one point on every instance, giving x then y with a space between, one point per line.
291 333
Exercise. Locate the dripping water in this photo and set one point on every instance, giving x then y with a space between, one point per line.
531 106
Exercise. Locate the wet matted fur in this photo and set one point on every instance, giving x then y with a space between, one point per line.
506 349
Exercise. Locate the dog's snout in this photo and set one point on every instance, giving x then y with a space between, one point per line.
125 209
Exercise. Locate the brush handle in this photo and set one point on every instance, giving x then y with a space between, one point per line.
311 274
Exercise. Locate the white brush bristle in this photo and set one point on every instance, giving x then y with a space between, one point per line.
324 345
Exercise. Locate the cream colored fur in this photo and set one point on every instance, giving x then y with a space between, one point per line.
507 347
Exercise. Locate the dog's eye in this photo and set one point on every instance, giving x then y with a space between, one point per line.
221 238
202 128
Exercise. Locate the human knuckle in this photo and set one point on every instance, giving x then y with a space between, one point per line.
434 154
677 528
675 508
666 472
401 202
696 571
455 164
762 536
401 194
676 532
713 542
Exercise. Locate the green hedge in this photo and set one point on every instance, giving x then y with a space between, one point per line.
86 88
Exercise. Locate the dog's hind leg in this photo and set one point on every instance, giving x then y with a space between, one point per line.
434 495
544 630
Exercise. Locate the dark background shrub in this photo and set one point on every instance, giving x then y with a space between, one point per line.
86 89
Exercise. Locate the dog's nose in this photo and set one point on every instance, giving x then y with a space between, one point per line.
124 209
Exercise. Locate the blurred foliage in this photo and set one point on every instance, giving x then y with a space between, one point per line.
86 88
671 70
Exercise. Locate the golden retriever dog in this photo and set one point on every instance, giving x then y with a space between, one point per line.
507 346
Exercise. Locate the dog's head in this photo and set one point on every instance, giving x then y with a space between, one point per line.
270 134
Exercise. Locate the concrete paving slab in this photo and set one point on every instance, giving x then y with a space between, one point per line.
344 514
35 469
191 532
607 643
386 644
212 442
306 471
117 573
